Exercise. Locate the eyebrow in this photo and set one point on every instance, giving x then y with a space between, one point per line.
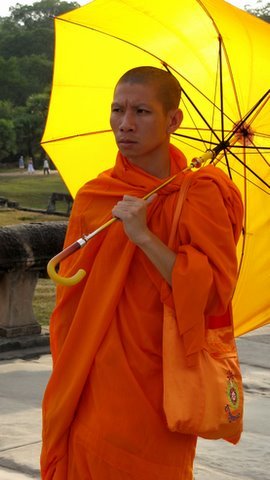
142 105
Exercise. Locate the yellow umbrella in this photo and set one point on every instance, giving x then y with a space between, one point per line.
220 56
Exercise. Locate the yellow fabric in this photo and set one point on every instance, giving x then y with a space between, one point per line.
185 36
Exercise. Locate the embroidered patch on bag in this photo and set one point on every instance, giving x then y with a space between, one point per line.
233 397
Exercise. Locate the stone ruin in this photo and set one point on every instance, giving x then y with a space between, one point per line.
24 253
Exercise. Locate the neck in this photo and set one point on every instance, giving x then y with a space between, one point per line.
156 164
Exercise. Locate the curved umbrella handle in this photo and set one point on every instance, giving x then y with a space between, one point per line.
67 281
77 277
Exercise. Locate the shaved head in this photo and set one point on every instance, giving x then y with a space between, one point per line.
167 87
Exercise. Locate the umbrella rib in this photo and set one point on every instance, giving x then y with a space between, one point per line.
188 144
225 53
197 89
250 169
196 108
245 178
215 96
263 135
251 148
260 153
262 102
195 139
232 78
194 124
70 137
200 114
221 102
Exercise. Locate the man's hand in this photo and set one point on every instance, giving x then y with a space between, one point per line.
132 212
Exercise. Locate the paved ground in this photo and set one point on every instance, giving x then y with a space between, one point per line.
22 382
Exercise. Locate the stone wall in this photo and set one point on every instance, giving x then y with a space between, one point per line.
24 253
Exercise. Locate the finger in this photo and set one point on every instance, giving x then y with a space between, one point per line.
130 198
116 214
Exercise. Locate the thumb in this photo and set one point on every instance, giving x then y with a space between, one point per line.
151 198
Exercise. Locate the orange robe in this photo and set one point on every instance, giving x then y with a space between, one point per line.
103 415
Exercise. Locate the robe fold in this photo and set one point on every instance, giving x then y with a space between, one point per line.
103 412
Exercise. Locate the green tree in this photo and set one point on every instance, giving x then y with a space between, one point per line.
7 138
19 42
6 109
40 13
26 60
262 10
29 30
20 77
29 125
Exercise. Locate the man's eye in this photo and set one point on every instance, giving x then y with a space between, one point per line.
142 111
116 109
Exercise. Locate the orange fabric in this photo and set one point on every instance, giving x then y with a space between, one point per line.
105 392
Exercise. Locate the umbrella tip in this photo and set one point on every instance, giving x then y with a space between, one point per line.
243 133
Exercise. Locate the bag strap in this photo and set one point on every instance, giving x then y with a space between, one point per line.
180 202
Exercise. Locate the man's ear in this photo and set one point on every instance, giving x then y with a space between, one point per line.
175 120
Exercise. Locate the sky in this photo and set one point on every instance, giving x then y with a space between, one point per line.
5 4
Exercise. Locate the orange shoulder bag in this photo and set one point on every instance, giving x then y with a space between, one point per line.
205 399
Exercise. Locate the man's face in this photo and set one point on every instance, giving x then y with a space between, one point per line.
138 121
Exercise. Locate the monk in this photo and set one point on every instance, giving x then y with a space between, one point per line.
103 415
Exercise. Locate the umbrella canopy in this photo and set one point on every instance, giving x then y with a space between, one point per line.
220 56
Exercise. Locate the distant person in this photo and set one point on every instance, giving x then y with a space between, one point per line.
21 162
46 167
30 166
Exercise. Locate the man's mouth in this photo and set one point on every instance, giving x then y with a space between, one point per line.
125 141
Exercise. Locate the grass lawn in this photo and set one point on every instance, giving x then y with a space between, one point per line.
10 216
44 300
31 190
34 192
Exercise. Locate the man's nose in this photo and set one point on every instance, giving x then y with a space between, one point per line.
127 122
